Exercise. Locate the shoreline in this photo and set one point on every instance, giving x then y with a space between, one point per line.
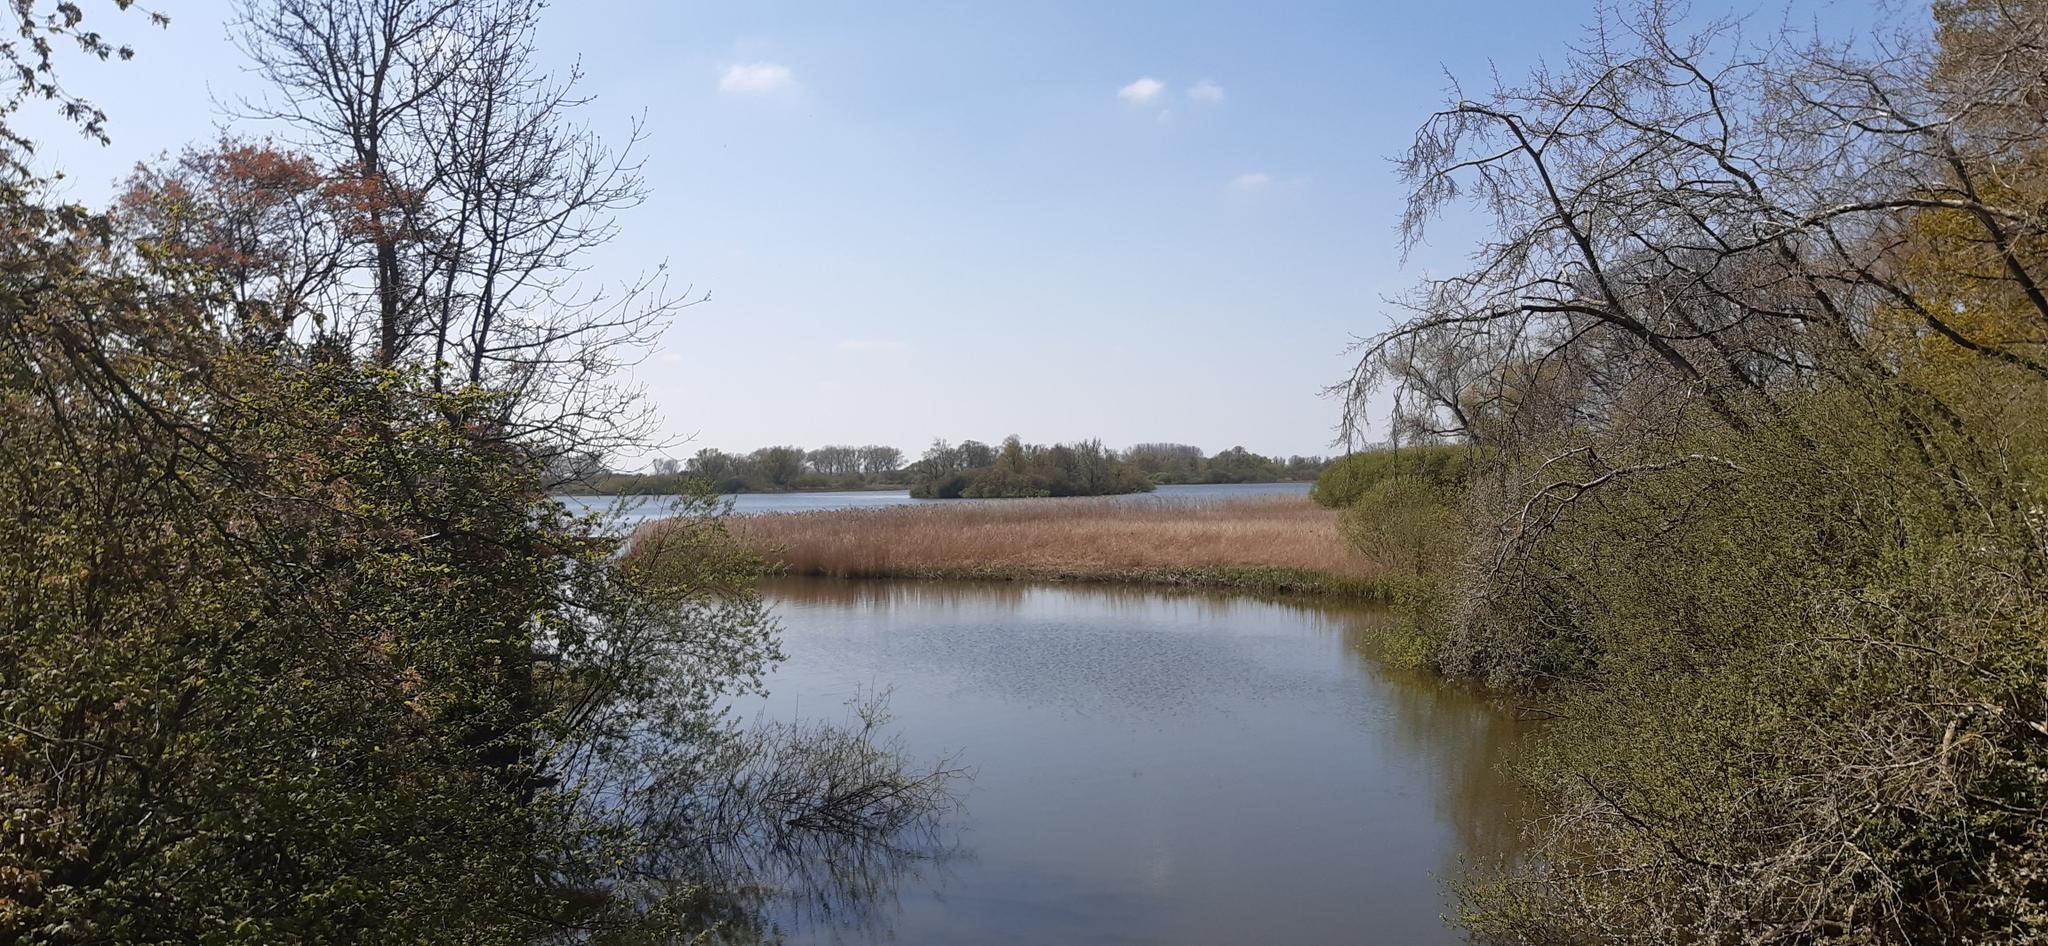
1242 579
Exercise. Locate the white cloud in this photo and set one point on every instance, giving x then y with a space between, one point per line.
1206 91
757 78
1142 91
1255 181
867 345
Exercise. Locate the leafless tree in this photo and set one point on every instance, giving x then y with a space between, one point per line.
1689 227
1696 239
475 199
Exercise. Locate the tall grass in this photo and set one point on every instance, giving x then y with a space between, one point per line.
1284 545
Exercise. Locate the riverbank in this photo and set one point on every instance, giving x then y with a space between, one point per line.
670 488
1285 545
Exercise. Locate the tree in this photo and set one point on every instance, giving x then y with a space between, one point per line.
1752 354
1167 462
834 461
876 460
474 196
263 225
285 614
777 467
1238 465
974 454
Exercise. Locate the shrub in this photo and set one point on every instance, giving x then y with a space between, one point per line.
1347 478
1406 521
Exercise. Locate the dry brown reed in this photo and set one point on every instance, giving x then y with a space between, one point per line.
1180 542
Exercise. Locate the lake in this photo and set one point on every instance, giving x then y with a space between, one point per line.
1151 767
635 509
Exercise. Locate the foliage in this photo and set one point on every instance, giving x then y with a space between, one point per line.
1812 710
1754 351
298 649
1183 463
767 470
1349 477
1407 520
972 471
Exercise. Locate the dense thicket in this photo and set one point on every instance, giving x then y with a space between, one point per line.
1168 463
1757 351
297 648
975 470
1348 477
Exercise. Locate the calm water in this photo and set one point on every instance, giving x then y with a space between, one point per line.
1152 767
634 509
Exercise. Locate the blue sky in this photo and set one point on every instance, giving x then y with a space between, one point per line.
1132 221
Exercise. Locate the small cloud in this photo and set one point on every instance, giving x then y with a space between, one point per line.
758 78
1255 181
1142 91
866 345
1206 91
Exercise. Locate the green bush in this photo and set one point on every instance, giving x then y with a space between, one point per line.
1347 478
1406 521
1798 677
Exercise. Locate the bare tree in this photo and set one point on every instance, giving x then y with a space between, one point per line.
1702 244
475 199
876 460
1688 228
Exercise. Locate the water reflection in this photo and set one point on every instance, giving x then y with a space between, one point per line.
1152 766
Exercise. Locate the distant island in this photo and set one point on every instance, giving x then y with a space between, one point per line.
970 469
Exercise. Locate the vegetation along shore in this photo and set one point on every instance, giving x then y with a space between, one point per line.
970 469
1278 545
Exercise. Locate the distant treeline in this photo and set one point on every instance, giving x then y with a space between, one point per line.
969 469
767 470
1182 463
974 469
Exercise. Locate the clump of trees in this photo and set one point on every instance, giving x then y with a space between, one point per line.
772 469
1169 463
298 648
1058 470
767 470
975 470
1755 355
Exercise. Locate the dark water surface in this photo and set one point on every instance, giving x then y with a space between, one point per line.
635 509
1152 767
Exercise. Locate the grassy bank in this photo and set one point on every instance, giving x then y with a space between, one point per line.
1270 546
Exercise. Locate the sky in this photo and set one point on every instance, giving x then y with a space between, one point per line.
1128 221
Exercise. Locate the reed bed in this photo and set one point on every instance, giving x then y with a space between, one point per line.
1268 544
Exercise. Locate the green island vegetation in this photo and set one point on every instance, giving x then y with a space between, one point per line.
1174 463
975 470
1733 470
971 469
298 649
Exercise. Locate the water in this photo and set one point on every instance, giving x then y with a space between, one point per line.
1152 767
635 509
